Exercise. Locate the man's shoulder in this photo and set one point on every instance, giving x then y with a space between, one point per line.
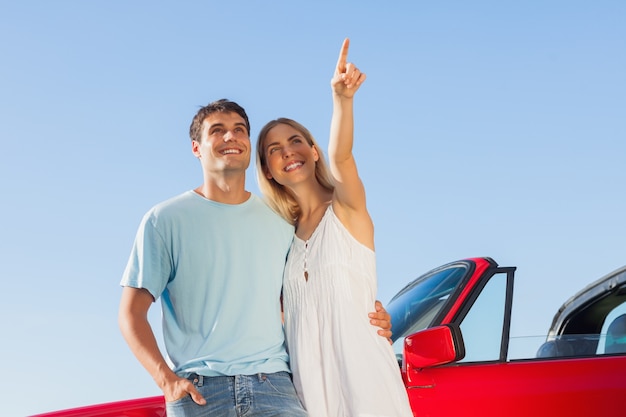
275 219
171 205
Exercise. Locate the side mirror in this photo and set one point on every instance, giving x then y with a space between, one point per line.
432 347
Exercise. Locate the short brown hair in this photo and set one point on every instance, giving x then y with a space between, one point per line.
219 106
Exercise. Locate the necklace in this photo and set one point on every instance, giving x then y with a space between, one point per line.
306 271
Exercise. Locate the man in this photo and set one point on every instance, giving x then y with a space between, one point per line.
215 255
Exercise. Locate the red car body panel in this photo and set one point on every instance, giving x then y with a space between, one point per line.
525 388
142 407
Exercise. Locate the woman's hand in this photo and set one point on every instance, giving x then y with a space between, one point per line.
347 78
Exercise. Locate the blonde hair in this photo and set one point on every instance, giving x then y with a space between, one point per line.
277 196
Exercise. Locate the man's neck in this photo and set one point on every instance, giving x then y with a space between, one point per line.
222 191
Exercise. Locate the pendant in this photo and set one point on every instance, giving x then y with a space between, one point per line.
306 272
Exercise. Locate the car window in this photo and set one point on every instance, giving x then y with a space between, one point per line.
414 308
614 332
592 328
482 326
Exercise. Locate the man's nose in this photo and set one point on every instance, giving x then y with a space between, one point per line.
229 135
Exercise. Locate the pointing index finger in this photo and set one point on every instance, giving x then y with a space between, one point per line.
343 56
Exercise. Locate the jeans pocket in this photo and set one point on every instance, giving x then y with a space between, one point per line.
280 383
180 408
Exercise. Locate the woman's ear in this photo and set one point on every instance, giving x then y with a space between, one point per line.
316 155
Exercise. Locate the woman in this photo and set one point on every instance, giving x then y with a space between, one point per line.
341 367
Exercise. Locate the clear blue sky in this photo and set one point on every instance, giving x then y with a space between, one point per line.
484 128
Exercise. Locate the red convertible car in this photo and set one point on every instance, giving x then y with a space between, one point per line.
458 361
452 336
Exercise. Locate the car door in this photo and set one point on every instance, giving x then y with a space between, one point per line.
565 387
485 383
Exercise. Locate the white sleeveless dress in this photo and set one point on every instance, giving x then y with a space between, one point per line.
341 366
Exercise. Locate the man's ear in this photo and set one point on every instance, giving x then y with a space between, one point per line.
195 148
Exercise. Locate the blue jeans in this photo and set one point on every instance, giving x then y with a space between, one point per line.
241 395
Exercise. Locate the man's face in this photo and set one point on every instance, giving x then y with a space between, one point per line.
225 144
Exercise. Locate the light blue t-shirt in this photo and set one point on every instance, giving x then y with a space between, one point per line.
218 269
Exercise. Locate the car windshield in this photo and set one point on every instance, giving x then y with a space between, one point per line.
414 308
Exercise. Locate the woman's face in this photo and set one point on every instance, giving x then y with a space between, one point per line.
289 156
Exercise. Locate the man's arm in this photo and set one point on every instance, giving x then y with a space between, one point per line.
133 322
